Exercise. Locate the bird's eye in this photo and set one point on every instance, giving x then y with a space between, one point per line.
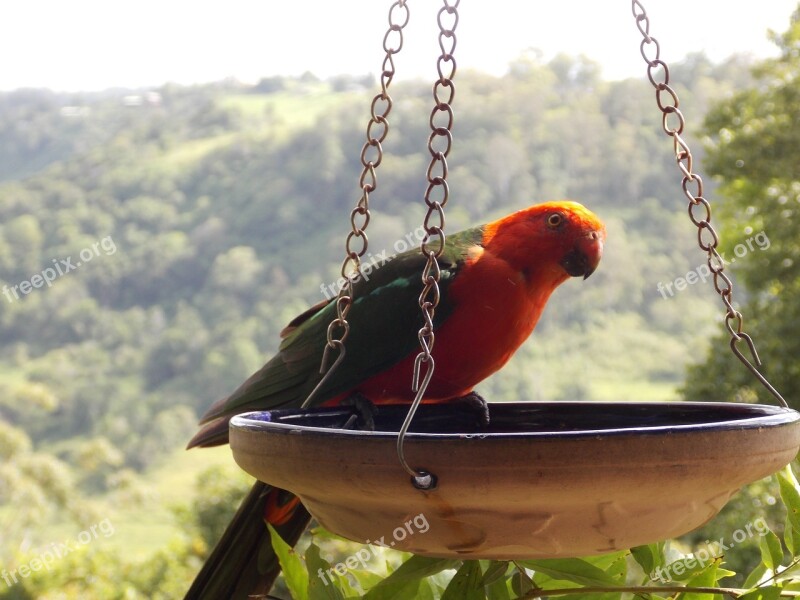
554 220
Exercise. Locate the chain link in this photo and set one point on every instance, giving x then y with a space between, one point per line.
432 246
673 123
371 157
440 143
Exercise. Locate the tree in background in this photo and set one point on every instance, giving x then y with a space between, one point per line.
754 150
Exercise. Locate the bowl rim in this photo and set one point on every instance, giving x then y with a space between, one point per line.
761 416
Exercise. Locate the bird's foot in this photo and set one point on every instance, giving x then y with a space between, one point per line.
364 411
474 404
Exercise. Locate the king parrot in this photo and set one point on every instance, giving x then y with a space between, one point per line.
495 282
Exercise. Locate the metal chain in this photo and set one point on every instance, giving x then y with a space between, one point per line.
440 142
371 157
673 122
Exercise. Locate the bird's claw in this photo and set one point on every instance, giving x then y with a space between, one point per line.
364 411
475 404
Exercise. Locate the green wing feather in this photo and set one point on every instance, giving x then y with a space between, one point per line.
384 321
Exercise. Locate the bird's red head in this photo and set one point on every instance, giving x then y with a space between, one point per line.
548 242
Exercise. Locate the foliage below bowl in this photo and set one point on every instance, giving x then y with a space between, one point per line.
543 480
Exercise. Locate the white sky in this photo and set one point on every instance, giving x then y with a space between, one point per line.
95 44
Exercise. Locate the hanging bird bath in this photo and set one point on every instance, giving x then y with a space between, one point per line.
542 480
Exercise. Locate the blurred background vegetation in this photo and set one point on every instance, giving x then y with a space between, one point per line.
227 205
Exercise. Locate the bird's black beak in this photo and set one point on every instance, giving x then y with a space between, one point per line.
583 259
576 263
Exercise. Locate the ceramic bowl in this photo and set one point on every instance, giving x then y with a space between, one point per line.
542 480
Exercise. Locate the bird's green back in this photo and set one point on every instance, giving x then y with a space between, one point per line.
384 321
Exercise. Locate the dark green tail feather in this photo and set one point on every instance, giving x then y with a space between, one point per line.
243 564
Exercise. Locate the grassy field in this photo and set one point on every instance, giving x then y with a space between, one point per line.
634 391
290 109
273 114
141 529
10 377
191 152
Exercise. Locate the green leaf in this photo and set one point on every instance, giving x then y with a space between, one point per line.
705 578
650 557
771 550
788 473
708 577
419 567
770 592
682 569
614 564
571 569
789 538
323 583
411 571
645 557
494 571
366 579
754 576
790 496
610 563
499 590
425 591
398 590
320 533
466 583
521 584
294 570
